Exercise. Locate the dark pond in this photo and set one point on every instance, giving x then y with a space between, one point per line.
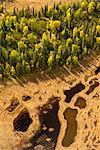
80 102
93 81
70 93
97 70
22 122
26 97
92 87
47 135
14 104
71 131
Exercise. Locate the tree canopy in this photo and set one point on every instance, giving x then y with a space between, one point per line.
61 34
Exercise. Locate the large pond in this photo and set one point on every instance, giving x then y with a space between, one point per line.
74 90
46 136
71 130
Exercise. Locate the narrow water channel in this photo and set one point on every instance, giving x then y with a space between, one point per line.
92 87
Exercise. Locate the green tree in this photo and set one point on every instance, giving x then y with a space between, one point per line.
91 7
14 57
25 31
68 60
8 22
69 42
1 25
75 60
98 42
1 8
68 16
13 72
7 69
18 69
23 23
51 59
78 14
75 49
21 46
31 38
27 68
98 29
84 4
85 51
55 24
58 57
4 54
75 32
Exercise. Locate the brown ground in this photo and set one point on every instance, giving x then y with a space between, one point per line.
44 86
33 3
88 118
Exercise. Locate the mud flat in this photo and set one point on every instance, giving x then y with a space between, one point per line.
52 114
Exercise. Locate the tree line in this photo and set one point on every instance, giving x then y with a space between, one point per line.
57 35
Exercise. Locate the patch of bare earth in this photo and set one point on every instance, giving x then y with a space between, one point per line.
24 101
33 3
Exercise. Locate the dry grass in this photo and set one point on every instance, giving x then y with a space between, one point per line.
33 3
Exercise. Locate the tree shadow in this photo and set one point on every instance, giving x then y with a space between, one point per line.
44 76
85 63
60 71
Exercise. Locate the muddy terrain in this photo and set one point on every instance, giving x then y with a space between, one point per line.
52 112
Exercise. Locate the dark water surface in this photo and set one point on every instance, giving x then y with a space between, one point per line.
47 135
97 70
74 90
80 102
92 87
22 122
71 130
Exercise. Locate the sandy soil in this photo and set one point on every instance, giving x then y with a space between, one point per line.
33 3
88 118
41 88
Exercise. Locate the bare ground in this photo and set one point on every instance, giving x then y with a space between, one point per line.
41 88
33 3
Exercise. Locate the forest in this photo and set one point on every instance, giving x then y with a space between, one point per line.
53 36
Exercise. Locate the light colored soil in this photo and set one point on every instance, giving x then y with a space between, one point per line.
33 3
88 118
